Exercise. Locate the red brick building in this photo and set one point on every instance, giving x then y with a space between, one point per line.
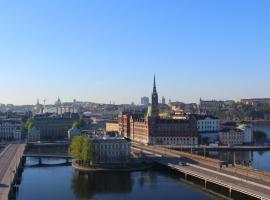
151 129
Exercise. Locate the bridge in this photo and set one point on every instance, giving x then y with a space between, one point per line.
55 156
212 174
49 144
10 166
40 156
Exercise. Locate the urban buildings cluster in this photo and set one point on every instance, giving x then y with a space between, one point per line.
152 122
177 127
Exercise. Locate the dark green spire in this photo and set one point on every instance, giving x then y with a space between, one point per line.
154 88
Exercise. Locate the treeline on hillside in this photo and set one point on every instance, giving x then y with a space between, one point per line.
239 112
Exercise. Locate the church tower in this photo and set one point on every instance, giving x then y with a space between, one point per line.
155 108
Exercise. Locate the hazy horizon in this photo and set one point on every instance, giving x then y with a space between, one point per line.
104 51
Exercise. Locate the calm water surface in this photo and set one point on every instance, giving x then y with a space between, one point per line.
64 183
57 183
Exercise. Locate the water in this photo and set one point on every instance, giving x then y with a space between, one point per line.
54 183
57 183
261 160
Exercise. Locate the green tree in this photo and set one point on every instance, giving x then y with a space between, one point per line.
29 124
77 148
79 124
76 124
260 136
82 150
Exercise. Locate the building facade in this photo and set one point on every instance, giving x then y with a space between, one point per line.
151 129
33 135
248 133
53 127
208 106
10 129
254 102
231 137
208 128
112 126
112 150
145 101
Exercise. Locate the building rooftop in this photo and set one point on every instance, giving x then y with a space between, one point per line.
108 138
202 117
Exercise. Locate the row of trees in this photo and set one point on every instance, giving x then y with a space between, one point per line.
260 136
240 111
82 150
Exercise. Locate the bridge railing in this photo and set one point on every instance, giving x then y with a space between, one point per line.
256 173
192 156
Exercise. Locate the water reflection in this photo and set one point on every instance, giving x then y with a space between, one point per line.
240 157
84 186
246 158
32 162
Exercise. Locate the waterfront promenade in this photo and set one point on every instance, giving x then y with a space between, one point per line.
10 160
213 173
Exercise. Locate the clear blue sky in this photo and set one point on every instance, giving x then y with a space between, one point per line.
102 51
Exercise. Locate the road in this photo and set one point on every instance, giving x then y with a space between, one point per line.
225 180
209 169
9 160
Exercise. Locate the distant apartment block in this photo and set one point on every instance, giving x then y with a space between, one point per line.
145 101
254 102
163 101
209 106
179 107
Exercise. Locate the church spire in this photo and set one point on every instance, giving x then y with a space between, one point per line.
154 88
154 106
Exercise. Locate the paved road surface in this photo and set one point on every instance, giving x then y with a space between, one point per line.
9 160
256 185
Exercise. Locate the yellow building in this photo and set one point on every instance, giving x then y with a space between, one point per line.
112 127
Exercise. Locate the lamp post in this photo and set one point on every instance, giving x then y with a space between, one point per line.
234 159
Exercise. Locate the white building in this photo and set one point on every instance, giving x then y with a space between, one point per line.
10 129
248 133
112 150
33 135
208 127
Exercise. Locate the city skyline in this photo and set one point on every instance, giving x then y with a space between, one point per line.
106 52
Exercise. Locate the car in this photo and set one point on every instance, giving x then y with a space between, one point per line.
182 163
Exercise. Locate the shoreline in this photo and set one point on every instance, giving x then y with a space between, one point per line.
116 169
